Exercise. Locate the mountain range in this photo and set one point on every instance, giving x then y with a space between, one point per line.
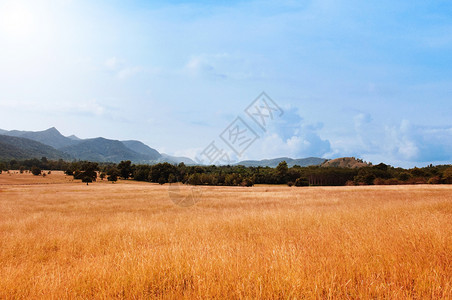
15 144
52 144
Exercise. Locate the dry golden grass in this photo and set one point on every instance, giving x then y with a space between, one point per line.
128 240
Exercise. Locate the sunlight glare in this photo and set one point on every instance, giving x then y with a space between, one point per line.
17 21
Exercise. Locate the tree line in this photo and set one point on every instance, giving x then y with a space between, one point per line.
237 175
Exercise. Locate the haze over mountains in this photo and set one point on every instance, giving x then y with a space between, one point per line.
52 144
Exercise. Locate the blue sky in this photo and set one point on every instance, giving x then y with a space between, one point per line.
366 79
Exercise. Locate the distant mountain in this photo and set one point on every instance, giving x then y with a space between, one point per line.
51 137
12 147
16 144
143 149
346 162
302 162
75 138
176 160
104 150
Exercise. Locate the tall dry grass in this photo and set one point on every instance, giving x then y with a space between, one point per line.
128 240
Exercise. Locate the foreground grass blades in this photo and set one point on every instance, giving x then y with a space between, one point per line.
64 239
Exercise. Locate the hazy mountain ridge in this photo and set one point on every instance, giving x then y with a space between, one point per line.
302 162
51 137
142 149
72 147
180 159
103 150
16 144
12 147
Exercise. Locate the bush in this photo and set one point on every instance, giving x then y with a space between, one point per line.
301 182
434 180
247 182
379 181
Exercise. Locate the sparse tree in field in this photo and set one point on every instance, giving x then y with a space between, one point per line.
102 175
88 170
87 179
35 171
21 169
162 180
113 175
113 178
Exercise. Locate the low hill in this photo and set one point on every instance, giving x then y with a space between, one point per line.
104 150
346 162
12 147
302 162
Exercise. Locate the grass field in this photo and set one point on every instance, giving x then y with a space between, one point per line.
62 239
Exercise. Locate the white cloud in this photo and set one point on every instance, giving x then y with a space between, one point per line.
291 136
113 63
128 72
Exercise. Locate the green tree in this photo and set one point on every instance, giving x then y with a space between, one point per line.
281 171
172 178
88 169
365 176
125 169
404 176
447 175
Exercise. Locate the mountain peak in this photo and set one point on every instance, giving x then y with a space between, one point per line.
52 130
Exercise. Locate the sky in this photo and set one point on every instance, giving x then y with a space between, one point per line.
370 79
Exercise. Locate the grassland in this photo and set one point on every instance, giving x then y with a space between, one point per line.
62 239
